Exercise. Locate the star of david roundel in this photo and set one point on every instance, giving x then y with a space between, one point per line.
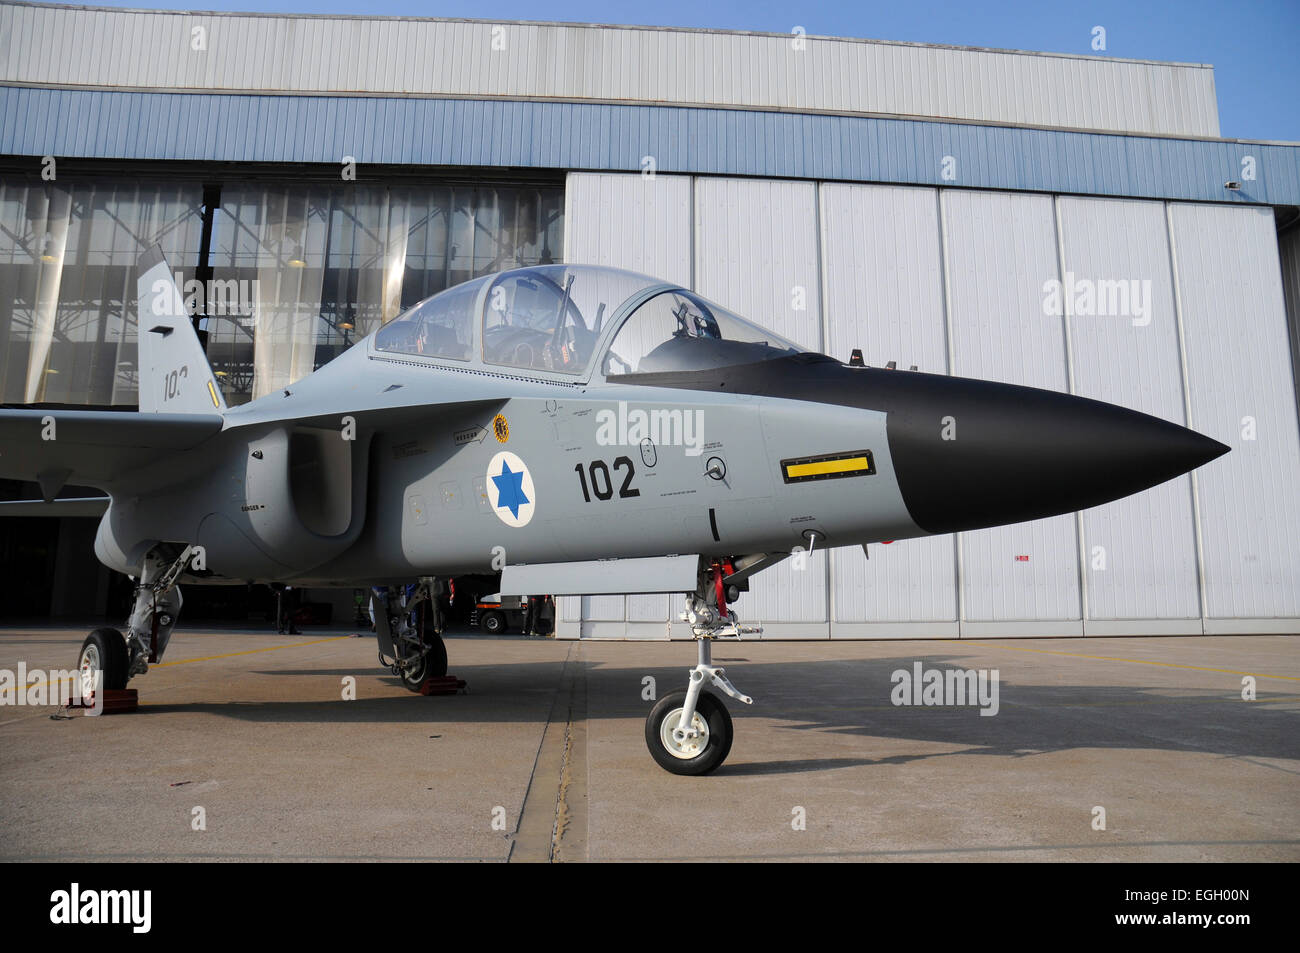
510 489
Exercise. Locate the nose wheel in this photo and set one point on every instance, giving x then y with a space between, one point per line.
690 732
697 751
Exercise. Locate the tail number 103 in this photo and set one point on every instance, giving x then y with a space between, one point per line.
596 479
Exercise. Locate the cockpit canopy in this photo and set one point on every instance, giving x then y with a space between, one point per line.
554 318
677 330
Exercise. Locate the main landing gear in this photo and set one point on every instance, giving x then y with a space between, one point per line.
409 624
109 657
690 732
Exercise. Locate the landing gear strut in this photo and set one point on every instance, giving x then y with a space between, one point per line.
690 732
409 624
117 657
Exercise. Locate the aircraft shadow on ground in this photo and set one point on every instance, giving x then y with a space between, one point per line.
838 696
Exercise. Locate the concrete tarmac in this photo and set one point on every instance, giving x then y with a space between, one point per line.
245 748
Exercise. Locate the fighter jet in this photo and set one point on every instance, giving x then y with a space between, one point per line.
582 430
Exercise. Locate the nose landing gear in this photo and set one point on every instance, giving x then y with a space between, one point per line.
690 732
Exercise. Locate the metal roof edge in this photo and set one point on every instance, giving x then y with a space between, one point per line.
641 103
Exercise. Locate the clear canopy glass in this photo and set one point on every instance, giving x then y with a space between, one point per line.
677 330
441 326
550 317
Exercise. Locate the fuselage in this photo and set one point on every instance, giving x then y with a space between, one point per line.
387 464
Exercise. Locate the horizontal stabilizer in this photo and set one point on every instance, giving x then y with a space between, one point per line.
602 577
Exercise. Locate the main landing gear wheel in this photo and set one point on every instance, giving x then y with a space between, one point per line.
103 652
696 755
433 664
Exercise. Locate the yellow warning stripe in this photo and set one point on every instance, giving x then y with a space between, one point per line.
212 392
823 467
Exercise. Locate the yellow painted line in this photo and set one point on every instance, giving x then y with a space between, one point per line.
212 392
271 648
1110 658
209 658
827 466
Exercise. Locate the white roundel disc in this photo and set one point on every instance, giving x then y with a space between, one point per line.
510 489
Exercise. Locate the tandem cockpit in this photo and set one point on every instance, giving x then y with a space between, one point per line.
577 321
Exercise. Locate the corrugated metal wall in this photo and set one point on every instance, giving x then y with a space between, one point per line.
954 281
1239 366
248 128
51 45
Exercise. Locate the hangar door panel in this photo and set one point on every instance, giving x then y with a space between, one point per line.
1139 552
884 294
1000 249
643 224
756 253
630 221
1238 362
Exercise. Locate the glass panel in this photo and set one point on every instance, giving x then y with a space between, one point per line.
441 326
301 271
329 264
680 331
550 318
68 281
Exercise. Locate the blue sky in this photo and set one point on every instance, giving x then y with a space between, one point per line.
1251 43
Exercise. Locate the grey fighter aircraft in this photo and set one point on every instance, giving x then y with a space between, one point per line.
582 429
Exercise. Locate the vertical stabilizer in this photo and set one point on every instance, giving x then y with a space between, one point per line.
175 377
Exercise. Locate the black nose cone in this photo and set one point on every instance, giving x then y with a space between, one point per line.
974 453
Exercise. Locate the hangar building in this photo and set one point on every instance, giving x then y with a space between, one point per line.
1068 222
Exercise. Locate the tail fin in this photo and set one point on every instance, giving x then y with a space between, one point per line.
175 377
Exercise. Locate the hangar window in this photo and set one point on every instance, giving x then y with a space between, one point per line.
548 318
441 326
680 331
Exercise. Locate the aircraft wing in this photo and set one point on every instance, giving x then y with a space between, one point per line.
63 506
92 447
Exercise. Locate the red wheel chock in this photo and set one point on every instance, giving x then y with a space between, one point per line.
442 685
116 701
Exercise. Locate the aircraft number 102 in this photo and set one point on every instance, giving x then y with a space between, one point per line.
595 479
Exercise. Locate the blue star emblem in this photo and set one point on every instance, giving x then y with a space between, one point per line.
510 489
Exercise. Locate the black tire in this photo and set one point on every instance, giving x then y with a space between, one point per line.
715 751
432 665
493 622
105 649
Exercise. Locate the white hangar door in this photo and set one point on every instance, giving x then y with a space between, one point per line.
756 253
644 224
1238 364
999 251
883 275
1139 553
